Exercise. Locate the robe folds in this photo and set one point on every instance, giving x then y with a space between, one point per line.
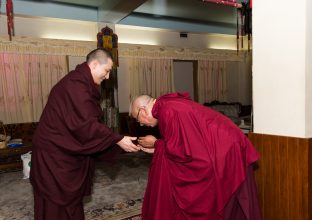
201 167
70 133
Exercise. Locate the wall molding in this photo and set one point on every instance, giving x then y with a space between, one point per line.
169 52
30 45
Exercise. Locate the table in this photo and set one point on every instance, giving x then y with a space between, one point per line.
245 128
10 158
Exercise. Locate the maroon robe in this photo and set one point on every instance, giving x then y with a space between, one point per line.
69 134
200 165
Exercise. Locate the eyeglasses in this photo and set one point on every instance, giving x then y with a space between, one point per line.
140 108
137 117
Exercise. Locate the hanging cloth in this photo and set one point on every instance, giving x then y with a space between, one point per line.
9 12
107 38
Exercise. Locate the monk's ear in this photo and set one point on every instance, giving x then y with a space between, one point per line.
93 64
145 111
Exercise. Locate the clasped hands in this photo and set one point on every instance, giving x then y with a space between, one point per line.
145 144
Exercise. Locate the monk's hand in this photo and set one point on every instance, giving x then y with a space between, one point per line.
127 145
147 142
147 150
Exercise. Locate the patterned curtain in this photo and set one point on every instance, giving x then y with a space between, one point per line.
211 81
25 84
150 76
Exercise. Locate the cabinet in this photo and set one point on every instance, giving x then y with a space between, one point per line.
10 158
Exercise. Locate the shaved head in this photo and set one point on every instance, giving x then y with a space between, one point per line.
100 54
141 109
137 102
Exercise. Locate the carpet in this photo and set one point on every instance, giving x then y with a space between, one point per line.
118 191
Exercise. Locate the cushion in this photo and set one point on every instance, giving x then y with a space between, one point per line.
231 110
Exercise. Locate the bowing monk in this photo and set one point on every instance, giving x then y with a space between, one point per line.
202 164
69 135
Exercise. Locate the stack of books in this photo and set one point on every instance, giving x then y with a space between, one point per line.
14 143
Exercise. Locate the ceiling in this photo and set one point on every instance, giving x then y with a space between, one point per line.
180 15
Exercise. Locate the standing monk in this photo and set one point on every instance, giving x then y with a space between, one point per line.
68 136
202 165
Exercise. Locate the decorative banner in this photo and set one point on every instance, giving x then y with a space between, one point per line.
9 12
99 37
115 49
243 22
245 26
232 3
108 40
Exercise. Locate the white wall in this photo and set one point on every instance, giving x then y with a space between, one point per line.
155 36
308 84
43 27
280 68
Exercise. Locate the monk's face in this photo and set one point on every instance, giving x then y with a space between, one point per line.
100 71
144 116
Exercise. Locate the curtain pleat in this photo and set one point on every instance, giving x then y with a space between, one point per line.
211 81
150 76
25 83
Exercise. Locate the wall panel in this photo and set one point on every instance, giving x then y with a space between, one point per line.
283 176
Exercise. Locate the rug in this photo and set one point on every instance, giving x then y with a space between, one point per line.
118 191
136 217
